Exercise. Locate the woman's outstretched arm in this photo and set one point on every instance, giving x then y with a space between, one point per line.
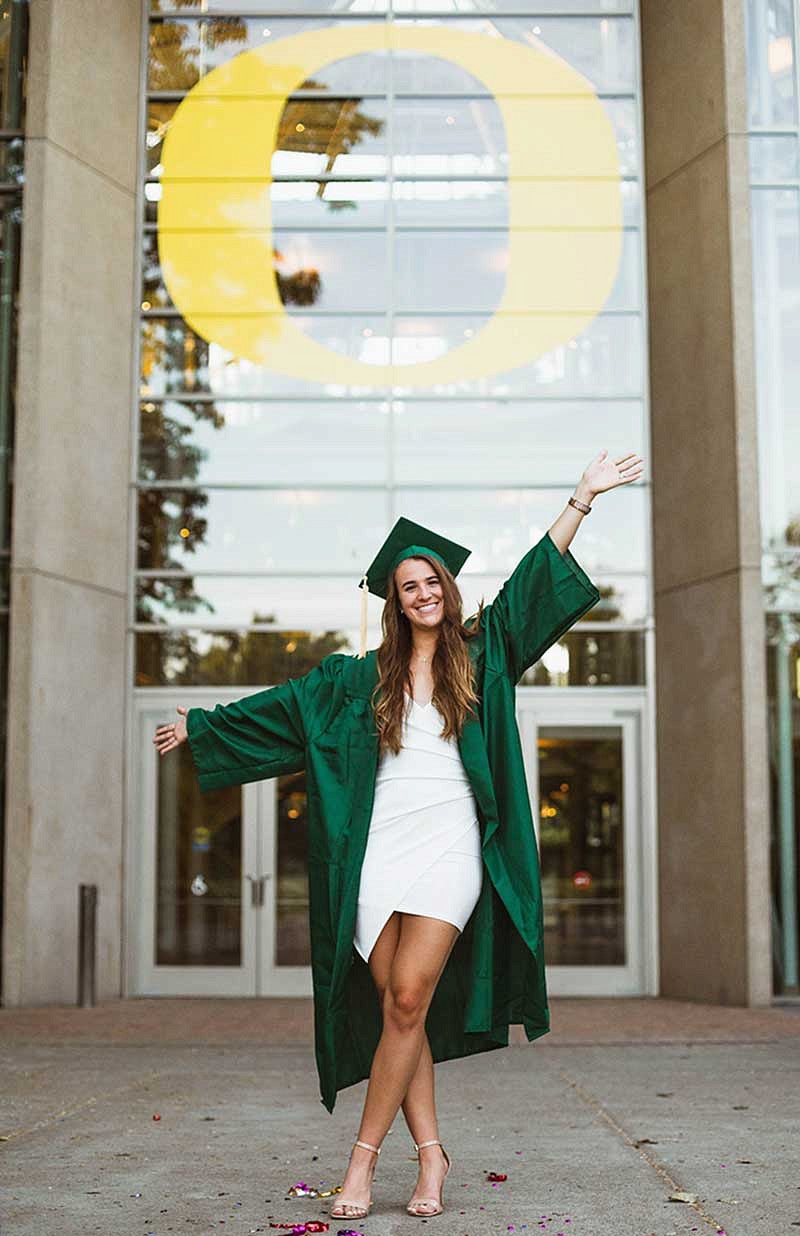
548 591
601 474
262 735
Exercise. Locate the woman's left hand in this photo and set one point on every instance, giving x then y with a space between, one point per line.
603 473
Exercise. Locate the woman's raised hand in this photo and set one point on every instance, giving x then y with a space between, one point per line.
603 473
169 736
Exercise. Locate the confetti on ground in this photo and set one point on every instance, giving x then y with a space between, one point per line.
496 1177
301 1189
299 1229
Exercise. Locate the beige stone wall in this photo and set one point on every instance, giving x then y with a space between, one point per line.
710 689
70 514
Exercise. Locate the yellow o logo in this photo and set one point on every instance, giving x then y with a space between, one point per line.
214 219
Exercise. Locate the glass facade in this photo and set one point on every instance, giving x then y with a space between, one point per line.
388 190
775 179
385 269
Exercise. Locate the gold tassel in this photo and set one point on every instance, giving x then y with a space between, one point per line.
364 595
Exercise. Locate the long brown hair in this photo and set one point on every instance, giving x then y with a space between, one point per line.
453 680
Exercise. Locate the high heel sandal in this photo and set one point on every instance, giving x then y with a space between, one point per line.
413 1206
356 1210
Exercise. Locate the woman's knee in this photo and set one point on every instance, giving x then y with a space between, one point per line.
406 1005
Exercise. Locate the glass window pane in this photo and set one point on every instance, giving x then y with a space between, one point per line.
602 49
439 152
507 443
263 443
581 843
770 63
333 7
290 604
336 257
450 270
258 530
292 926
198 869
591 659
604 359
198 658
502 6
774 158
776 285
459 203
449 135
465 271
175 359
314 270
160 114
484 203
500 526
182 50
341 204
342 137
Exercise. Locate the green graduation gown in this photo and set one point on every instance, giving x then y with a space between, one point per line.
323 722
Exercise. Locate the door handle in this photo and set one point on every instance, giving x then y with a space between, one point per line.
258 886
255 891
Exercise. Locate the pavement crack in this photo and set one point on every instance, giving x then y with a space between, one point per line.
591 1101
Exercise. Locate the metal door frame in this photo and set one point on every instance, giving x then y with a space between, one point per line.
142 975
627 709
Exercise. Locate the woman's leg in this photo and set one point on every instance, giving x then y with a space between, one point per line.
419 1104
422 949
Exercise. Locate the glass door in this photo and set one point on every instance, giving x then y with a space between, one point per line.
284 933
217 887
584 774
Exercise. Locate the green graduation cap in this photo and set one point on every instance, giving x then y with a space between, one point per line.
406 540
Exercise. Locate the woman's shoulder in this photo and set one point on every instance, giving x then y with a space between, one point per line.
358 675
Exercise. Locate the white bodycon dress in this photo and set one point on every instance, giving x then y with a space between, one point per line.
423 852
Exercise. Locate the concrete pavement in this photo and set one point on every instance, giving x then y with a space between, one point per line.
595 1125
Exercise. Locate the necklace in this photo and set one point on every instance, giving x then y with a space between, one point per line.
420 657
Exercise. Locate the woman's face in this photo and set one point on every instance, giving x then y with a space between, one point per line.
419 592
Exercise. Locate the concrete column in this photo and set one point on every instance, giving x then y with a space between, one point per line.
70 511
711 693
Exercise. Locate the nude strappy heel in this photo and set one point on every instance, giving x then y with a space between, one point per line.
413 1206
354 1209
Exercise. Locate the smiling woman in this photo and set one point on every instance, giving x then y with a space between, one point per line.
416 788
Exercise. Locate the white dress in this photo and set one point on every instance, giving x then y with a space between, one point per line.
423 852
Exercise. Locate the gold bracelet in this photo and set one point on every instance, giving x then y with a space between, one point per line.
579 506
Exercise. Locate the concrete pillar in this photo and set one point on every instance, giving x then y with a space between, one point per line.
70 512
711 695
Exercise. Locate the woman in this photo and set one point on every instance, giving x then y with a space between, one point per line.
416 791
